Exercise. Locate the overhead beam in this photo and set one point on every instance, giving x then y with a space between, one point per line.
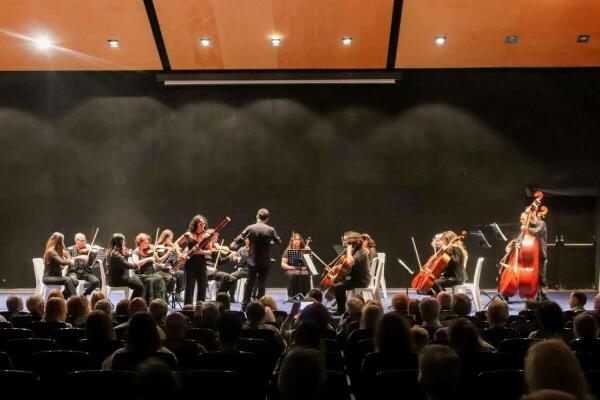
158 38
394 33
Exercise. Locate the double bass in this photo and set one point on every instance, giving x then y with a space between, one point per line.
435 266
520 266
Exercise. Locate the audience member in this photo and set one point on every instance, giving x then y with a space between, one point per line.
175 329
104 305
56 311
223 301
77 311
420 338
497 317
154 380
122 307
465 339
209 316
577 301
268 301
551 319
229 327
35 305
439 372
461 305
371 314
99 327
159 309
97 295
307 334
55 293
14 305
430 313
316 295
552 365
353 313
302 375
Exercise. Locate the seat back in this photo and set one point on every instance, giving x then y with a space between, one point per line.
44 329
212 384
13 333
26 383
516 347
67 338
38 271
268 336
205 337
128 361
53 366
99 350
512 387
102 385
5 361
21 350
389 381
23 321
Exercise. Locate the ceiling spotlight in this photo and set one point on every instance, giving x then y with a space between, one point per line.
512 39
441 40
583 38
114 43
276 41
205 42
347 41
43 42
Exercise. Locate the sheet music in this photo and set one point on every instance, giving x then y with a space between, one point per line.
310 264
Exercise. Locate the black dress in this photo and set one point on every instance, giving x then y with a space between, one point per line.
153 282
195 274
299 279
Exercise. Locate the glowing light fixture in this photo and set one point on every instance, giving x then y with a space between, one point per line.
114 43
43 42
347 41
441 40
205 42
276 41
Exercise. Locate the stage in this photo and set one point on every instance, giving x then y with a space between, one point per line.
515 305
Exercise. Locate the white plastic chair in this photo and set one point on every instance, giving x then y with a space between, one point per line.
40 287
109 289
473 287
383 286
239 289
373 291
213 287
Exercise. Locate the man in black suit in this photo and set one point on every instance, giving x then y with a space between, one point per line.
261 236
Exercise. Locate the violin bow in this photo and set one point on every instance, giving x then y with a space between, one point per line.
219 254
94 237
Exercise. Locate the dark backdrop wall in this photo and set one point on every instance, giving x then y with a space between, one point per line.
441 150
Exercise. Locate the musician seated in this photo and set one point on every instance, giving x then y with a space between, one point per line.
454 274
147 267
82 267
228 284
56 258
219 256
167 256
299 274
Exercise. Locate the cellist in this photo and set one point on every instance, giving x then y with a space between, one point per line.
537 227
454 274
359 276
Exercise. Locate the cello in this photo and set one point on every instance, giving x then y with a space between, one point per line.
520 266
435 266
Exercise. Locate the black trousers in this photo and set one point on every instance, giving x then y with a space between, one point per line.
257 274
93 281
68 282
174 280
195 275
228 284
340 292
442 282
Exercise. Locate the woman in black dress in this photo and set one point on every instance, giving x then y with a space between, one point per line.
195 265
299 274
118 267
56 258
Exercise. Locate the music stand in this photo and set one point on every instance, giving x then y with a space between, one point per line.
408 272
498 231
297 259
483 242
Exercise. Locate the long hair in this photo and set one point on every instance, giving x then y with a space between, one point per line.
56 243
162 238
116 244
449 236
195 221
294 236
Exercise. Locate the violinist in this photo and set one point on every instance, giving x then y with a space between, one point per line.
241 270
454 274
56 258
369 246
144 259
118 266
357 259
195 265
537 227
166 256
81 269
220 255
299 275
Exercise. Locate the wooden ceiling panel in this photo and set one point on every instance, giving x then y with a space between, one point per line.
476 32
79 31
310 30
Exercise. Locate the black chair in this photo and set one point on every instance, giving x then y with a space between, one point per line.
98 351
336 387
374 363
5 325
186 351
328 334
244 363
121 318
205 337
387 382
53 366
479 323
514 318
280 316
23 321
593 379
588 361
206 384
189 313
276 346
487 361
5 361
21 350
13 333
482 315
128 361
331 345
102 385
516 347
525 327
495 335
240 314
586 346
334 362
26 385
501 385
67 338
43 329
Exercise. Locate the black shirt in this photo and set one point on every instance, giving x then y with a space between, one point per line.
117 268
360 270
261 236
456 267
81 266
53 265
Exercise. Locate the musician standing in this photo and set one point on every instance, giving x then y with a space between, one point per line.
299 275
537 227
454 274
195 265
261 235
82 267
359 276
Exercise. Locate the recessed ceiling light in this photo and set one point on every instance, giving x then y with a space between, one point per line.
43 42
347 41
276 41
512 39
114 43
205 42
583 38
440 40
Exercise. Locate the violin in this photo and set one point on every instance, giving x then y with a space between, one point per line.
520 265
435 266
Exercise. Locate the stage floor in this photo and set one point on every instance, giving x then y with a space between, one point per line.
515 305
